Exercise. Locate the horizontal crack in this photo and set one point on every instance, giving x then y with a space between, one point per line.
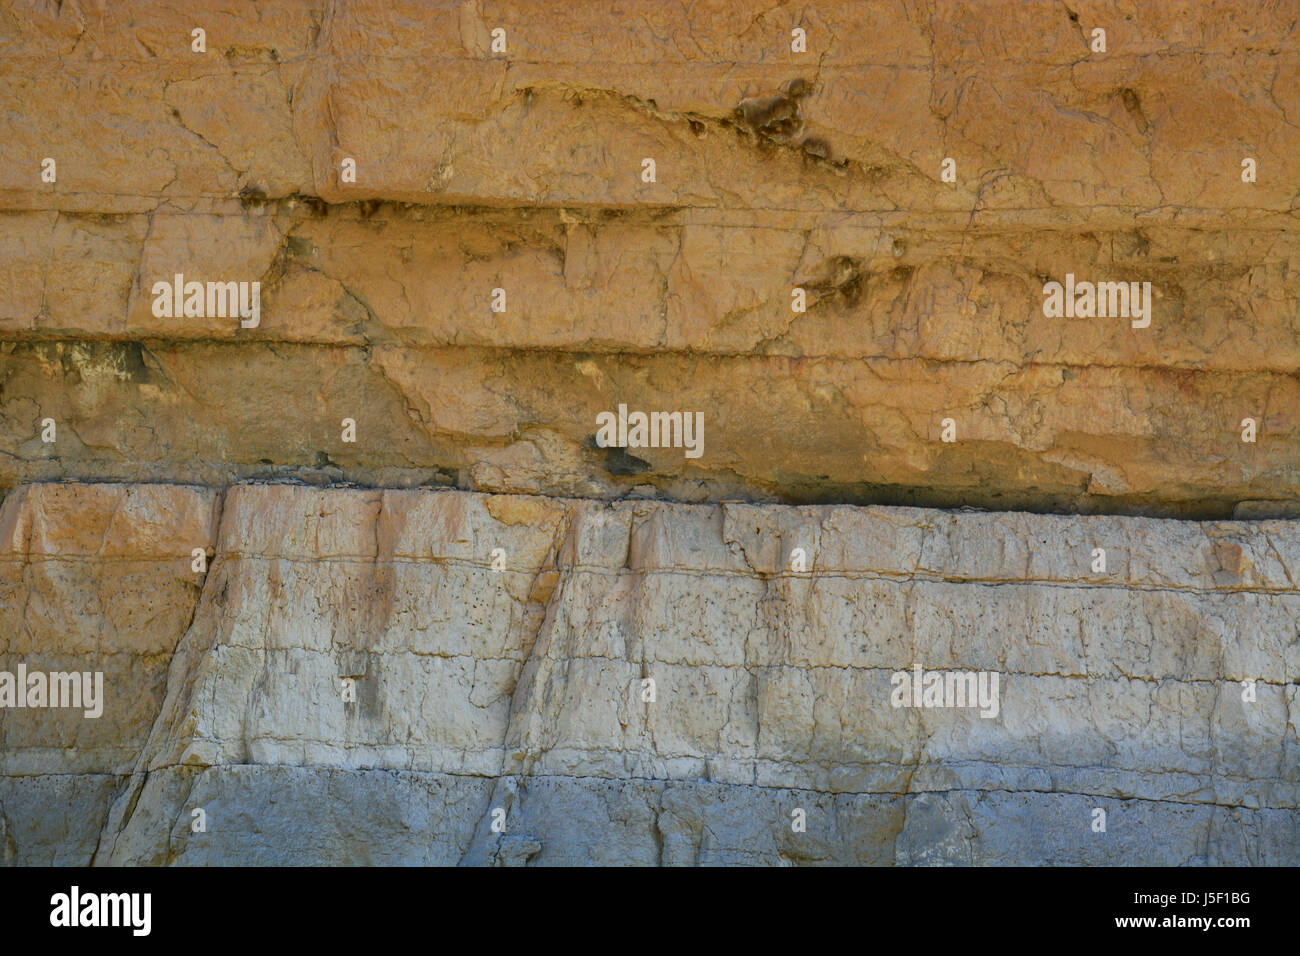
944 499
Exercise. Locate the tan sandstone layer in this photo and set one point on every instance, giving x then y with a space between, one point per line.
775 171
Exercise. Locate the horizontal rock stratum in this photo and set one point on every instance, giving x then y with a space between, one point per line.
367 582
522 688
775 171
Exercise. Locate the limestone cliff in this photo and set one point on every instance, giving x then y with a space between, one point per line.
522 688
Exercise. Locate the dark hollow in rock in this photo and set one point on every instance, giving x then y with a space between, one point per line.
619 462
777 116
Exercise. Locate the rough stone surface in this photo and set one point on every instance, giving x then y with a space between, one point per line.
775 170
521 688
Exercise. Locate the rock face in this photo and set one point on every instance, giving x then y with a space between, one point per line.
522 171
524 688
359 570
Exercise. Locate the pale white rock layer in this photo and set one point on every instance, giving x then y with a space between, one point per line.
521 689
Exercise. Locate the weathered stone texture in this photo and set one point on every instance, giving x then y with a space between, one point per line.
96 578
479 171
520 688
413 92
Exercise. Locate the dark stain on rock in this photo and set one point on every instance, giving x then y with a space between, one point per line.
1133 105
133 365
298 247
318 207
816 147
618 462
126 361
251 197
841 280
777 117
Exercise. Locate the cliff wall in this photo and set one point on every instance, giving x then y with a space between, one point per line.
838 256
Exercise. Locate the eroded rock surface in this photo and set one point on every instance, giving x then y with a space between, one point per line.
775 171
523 688
501 272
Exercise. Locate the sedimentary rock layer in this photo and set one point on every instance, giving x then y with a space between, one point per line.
521 171
431 114
1044 437
388 479
522 688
